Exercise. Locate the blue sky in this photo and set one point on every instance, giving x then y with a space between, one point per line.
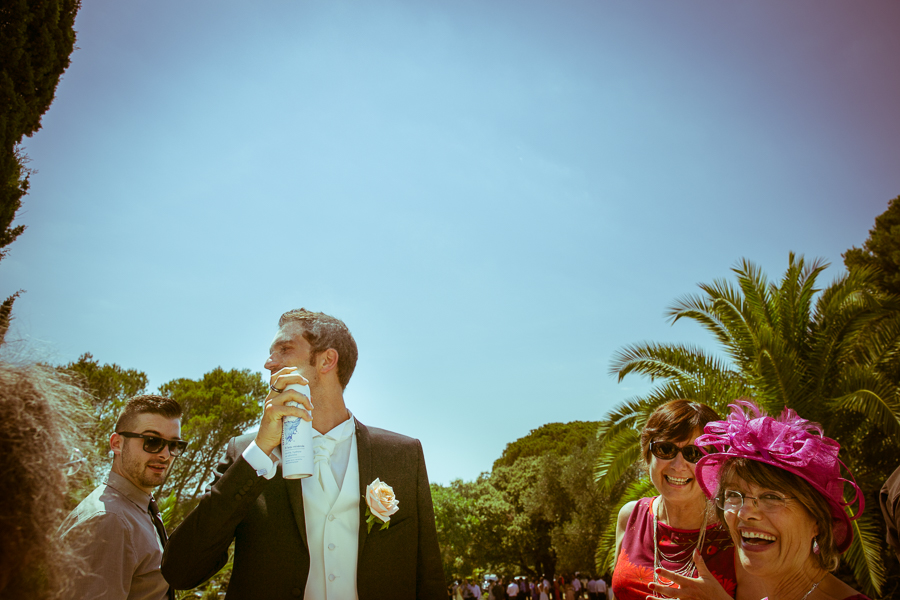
494 195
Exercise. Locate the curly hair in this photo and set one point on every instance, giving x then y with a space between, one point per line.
41 418
323 332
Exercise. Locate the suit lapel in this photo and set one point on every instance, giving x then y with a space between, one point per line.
364 453
295 494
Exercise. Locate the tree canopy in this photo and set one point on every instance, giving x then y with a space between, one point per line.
36 39
536 513
553 438
881 250
217 407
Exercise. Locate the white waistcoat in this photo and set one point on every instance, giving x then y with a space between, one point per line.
333 535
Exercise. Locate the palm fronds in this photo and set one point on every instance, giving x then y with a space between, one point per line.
832 354
864 555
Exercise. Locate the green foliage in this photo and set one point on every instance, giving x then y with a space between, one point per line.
881 250
865 557
6 315
574 536
824 352
36 39
536 513
552 438
166 509
465 524
220 405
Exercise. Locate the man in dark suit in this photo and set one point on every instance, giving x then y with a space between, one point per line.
309 537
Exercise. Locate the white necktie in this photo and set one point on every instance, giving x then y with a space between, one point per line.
323 446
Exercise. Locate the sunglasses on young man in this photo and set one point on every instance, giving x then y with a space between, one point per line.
154 444
668 451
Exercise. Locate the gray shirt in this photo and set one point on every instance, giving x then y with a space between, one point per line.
120 543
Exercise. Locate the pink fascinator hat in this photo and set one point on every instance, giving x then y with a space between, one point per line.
788 442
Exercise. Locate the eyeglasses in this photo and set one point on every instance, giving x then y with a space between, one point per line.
668 451
154 444
733 500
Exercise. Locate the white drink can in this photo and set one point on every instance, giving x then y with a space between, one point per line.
296 441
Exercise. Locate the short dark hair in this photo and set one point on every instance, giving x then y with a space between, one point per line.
42 419
771 477
323 332
147 403
675 421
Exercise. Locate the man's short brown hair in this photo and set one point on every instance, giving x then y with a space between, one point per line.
323 332
147 403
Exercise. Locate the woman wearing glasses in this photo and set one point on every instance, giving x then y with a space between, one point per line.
666 530
778 487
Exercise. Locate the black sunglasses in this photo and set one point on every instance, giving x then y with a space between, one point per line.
668 451
154 444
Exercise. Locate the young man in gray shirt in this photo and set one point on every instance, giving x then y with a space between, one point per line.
117 527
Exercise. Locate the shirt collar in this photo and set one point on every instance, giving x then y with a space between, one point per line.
129 490
341 431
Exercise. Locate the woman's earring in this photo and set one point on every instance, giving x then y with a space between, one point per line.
815 545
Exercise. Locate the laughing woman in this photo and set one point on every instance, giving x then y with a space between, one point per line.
663 532
778 487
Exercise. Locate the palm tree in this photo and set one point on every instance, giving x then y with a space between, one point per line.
827 354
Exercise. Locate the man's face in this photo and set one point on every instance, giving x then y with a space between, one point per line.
290 349
143 469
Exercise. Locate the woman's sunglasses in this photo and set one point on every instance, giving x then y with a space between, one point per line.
154 444
668 451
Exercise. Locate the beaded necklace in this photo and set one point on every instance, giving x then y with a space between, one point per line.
685 557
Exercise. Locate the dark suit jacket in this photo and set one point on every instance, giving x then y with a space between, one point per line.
265 519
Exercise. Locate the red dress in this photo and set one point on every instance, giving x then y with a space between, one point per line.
853 597
634 566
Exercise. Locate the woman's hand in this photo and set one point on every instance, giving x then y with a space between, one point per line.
704 587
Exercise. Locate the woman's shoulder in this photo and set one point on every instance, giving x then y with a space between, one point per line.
629 507
836 588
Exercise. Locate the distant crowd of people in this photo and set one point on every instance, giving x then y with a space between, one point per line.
579 587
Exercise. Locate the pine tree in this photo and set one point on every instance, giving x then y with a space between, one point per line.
36 39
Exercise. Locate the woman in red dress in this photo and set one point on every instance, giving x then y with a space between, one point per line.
665 531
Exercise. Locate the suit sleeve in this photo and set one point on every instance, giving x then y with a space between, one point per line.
429 570
198 548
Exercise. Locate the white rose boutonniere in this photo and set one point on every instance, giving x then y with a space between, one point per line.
380 504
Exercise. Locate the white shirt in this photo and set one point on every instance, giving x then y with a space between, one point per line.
265 466
332 531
